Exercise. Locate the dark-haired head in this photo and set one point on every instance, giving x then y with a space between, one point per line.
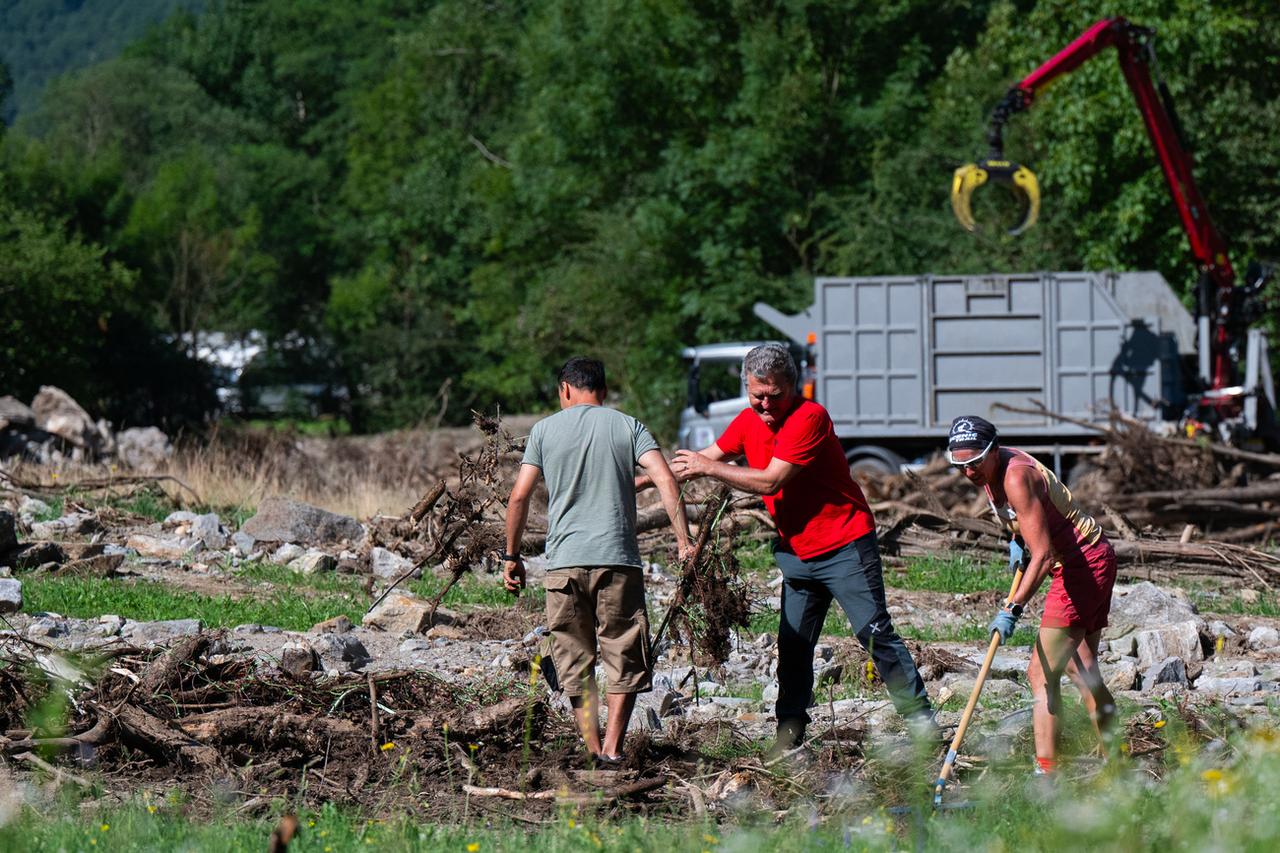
585 374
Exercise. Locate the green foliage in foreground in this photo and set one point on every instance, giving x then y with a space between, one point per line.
87 598
1222 801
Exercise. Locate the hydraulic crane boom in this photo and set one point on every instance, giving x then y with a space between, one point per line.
1134 49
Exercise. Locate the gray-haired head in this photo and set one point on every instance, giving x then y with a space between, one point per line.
771 361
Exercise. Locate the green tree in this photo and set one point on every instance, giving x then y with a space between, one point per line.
60 299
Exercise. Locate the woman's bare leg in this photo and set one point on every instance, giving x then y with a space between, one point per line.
1054 649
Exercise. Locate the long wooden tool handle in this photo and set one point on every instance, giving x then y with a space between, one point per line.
973 701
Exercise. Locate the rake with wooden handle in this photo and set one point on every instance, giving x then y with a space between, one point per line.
950 761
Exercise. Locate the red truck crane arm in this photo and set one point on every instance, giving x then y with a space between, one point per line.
1133 46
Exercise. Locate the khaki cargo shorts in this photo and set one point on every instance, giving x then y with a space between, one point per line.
604 602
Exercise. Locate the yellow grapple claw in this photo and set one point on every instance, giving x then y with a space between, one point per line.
1019 178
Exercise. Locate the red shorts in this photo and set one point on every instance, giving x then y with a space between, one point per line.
1080 593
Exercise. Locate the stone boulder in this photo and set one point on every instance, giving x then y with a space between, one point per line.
1264 637
150 633
1144 604
209 530
162 547
1171 670
280 519
313 562
57 413
298 658
143 448
341 652
10 595
1179 639
388 565
397 613
15 413
67 525
1122 675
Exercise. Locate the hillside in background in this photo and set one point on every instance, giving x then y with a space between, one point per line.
42 39
429 205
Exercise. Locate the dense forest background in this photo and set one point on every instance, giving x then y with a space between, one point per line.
420 201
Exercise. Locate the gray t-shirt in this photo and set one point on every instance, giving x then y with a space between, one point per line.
588 455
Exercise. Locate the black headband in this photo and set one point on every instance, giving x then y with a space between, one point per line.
970 432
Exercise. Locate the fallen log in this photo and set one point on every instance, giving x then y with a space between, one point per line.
157 737
165 670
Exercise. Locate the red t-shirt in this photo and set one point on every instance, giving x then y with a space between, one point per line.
821 508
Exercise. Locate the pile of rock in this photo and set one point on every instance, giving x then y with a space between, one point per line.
55 428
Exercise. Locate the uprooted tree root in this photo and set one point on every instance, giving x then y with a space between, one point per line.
226 727
454 524
713 598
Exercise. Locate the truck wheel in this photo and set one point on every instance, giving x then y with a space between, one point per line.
866 468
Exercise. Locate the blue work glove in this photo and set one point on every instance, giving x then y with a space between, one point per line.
1016 554
1004 623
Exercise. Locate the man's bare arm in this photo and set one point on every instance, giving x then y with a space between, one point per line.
517 515
688 465
713 452
656 469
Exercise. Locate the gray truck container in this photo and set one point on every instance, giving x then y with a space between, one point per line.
897 357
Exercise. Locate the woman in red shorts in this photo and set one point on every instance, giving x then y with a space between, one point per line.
1062 540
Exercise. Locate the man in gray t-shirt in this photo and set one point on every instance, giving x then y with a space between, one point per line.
595 586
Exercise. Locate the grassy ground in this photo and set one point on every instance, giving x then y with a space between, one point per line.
1206 801
87 598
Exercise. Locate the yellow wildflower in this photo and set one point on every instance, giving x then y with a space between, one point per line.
710 839
1159 724
105 827
572 823
151 809
473 847
387 746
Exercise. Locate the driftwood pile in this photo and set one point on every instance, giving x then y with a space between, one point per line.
225 721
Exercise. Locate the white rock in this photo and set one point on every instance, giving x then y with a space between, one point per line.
287 553
148 633
399 612
1229 668
1224 686
389 565
162 547
10 595
1264 637
1218 628
29 508
1179 639
1145 604
47 626
1120 676
76 522
181 516
313 563
108 625
208 529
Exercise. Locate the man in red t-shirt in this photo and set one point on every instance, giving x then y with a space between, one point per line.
827 537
